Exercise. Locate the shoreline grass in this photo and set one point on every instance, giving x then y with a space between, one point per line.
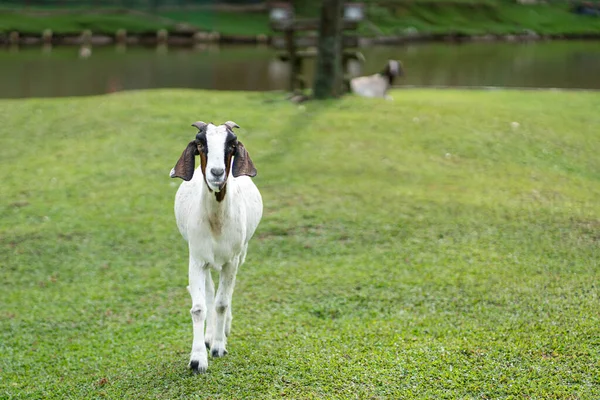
496 18
74 23
420 248
419 17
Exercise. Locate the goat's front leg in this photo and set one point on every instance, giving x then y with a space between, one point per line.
223 308
210 304
197 289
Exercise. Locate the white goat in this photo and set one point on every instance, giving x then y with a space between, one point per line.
217 212
377 85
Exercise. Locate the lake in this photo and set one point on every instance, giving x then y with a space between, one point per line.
61 71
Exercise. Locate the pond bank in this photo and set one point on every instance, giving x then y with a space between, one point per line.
387 23
187 39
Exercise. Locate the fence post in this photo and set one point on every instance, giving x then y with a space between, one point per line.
290 44
329 73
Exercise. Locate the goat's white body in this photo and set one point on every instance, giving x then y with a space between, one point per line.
217 234
375 85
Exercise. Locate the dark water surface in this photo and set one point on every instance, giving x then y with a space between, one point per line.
61 71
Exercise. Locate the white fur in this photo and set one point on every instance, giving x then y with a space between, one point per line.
215 138
376 85
394 67
217 234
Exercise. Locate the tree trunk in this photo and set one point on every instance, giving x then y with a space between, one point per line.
329 72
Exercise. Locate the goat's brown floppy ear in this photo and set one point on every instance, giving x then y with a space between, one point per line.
184 168
242 163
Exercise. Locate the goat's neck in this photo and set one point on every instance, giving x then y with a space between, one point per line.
214 207
389 78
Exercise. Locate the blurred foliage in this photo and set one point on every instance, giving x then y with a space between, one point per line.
472 18
138 4
392 17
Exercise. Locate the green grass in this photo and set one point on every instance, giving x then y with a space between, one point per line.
420 248
429 17
477 19
103 23
226 23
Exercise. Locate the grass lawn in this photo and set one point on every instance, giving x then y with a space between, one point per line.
62 23
420 248
467 17
226 23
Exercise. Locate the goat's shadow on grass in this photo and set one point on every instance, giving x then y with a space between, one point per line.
173 377
174 372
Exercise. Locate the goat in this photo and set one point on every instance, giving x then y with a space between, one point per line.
217 212
377 85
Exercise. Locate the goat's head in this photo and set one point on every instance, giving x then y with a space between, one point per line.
216 146
393 69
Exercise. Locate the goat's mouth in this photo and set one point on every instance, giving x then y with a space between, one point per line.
216 185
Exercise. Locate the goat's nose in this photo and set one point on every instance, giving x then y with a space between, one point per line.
217 171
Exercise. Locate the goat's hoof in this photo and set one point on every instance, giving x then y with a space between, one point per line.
207 344
218 352
197 368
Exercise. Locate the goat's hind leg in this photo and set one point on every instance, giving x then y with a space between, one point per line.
197 278
223 308
229 315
